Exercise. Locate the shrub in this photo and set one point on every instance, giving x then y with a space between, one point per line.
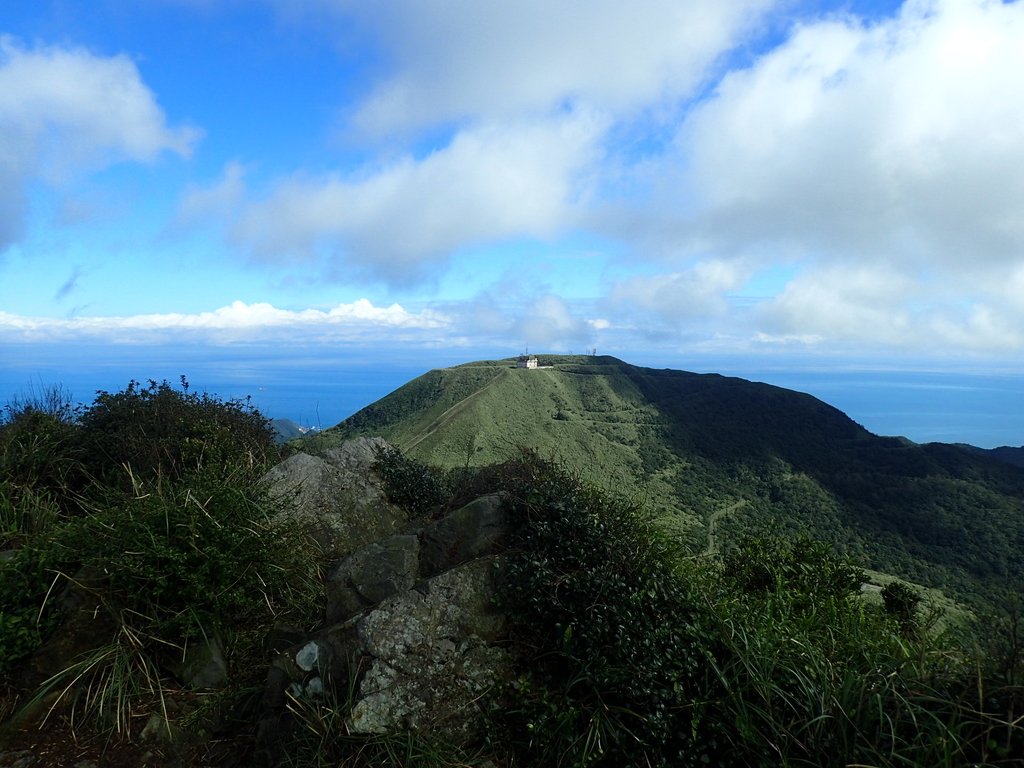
800 567
619 654
175 533
159 431
24 583
412 485
768 656
901 602
189 556
42 476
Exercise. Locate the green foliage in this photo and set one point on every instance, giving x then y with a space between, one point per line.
901 602
620 658
25 581
799 566
768 656
41 471
186 557
159 431
409 483
633 650
153 496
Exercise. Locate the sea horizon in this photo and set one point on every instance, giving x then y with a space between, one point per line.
320 388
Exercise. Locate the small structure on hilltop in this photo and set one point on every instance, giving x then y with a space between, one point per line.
527 361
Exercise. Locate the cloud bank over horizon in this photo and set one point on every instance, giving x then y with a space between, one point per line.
735 176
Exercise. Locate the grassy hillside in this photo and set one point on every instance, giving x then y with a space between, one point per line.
718 455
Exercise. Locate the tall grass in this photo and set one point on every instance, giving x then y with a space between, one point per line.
156 494
42 476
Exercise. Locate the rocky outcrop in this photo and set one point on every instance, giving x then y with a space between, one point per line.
430 654
396 563
337 496
370 575
413 630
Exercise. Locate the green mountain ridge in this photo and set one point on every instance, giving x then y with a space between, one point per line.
717 456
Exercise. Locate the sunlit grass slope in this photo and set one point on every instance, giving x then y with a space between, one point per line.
716 456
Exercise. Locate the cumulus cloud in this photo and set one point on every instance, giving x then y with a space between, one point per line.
236 321
882 162
882 307
681 296
846 304
530 91
488 59
510 317
396 222
65 111
900 140
549 322
216 201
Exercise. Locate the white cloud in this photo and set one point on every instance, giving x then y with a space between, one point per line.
236 321
882 163
215 201
65 111
521 179
509 316
549 322
844 304
900 141
490 59
879 307
681 296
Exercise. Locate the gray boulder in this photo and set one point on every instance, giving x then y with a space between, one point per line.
201 664
431 654
413 632
370 575
477 529
338 497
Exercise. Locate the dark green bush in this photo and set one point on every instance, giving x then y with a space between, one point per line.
159 431
801 566
42 476
901 602
188 557
768 656
412 485
172 525
620 656
24 623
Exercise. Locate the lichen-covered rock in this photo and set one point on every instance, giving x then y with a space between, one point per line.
202 665
431 654
372 574
477 529
357 454
413 632
338 497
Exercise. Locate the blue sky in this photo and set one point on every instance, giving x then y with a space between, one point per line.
658 179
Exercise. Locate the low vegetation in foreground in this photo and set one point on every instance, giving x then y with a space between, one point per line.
631 650
144 509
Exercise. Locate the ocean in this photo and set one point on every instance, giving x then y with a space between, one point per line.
318 387
982 409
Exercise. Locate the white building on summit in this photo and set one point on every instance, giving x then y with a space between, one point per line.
526 361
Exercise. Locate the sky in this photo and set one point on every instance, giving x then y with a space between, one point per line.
668 181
